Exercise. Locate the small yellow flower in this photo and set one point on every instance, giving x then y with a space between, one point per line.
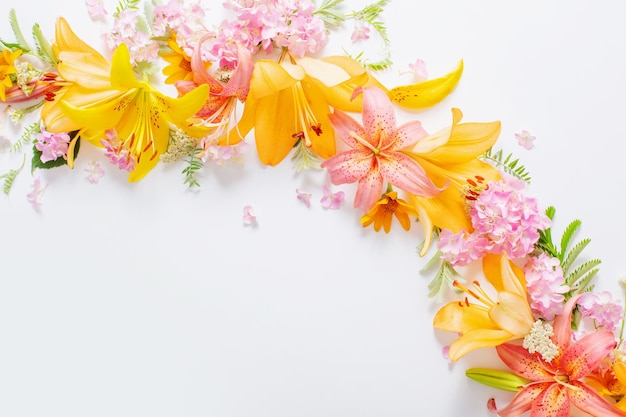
179 67
383 211
7 67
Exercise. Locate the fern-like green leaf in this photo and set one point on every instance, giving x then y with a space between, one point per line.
570 257
576 274
370 15
567 235
17 32
582 284
26 137
330 13
507 163
194 165
9 177
442 281
44 49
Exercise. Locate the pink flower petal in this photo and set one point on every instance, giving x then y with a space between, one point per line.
553 402
591 403
522 401
343 125
369 190
409 134
379 119
586 354
403 172
348 167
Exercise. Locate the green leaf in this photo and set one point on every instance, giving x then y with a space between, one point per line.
194 164
571 256
330 14
10 176
44 49
509 166
17 32
567 236
27 137
443 280
60 161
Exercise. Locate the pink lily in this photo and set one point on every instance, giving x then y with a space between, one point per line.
556 384
223 95
377 152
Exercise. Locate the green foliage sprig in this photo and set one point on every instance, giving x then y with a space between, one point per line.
194 164
507 163
124 5
330 13
370 14
578 276
9 177
26 137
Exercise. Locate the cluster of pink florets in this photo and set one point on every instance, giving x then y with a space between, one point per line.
505 220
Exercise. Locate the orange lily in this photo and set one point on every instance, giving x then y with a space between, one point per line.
486 322
451 154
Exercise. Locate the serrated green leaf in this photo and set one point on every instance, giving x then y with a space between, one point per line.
572 255
44 48
582 284
574 276
567 235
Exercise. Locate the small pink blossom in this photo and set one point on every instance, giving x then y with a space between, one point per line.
545 285
360 33
249 216
602 308
304 197
52 145
96 9
460 248
95 172
116 154
525 139
332 200
36 193
418 70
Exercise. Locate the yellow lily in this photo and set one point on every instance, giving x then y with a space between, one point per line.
486 322
451 154
290 100
138 113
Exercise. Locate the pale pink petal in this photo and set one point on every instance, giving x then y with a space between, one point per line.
563 323
403 172
590 402
249 216
522 401
523 363
586 354
348 167
239 83
553 402
343 125
379 119
369 190
409 134
200 74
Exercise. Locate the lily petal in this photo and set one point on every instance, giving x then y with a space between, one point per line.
590 402
379 118
369 189
477 339
348 167
512 314
553 402
408 134
523 363
268 78
563 323
344 125
586 354
522 401
406 174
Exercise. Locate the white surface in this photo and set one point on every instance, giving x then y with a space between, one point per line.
149 300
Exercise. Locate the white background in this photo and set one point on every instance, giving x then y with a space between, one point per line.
147 299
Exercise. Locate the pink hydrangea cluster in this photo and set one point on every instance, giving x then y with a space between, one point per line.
545 285
508 218
269 24
52 145
602 308
116 154
504 219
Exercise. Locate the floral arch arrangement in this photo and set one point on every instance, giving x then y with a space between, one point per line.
260 79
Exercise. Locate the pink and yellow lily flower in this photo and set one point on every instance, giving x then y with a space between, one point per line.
557 384
452 154
376 153
485 321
